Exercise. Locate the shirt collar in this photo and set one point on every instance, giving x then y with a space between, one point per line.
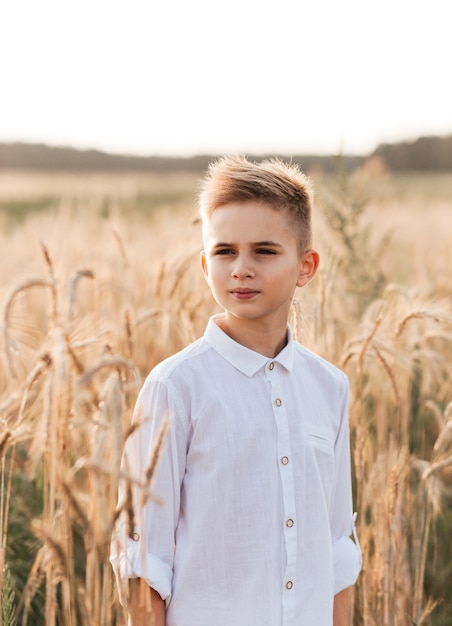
245 360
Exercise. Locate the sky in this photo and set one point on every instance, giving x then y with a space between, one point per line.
184 77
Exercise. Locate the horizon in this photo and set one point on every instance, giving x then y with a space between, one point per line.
76 148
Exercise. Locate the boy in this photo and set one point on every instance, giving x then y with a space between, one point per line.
249 519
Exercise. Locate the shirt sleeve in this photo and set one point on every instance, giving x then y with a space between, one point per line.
144 538
346 551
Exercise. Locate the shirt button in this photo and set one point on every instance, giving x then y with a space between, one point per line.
289 584
289 523
278 402
135 536
271 366
284 460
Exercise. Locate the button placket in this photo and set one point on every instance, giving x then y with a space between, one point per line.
276 379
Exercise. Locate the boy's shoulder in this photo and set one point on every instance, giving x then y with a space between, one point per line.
310 361
166 368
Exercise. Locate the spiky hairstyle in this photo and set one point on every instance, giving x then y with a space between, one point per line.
280 185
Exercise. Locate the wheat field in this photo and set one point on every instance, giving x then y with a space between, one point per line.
100 280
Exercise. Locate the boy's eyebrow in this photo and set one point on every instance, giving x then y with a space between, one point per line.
273 244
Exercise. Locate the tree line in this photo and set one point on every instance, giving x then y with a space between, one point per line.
423 154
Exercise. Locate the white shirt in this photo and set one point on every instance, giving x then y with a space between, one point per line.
251 510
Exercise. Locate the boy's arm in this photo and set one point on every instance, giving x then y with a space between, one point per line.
146 551
340 611
146 607
346 551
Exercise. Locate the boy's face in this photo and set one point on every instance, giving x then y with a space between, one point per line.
252 263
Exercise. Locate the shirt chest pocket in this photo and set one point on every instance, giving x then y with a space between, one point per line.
321 441
320 455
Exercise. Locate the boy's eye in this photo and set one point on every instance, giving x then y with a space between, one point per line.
265 251
223 251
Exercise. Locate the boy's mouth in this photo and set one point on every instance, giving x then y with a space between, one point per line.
242 293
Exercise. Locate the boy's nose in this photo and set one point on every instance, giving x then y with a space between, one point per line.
242 269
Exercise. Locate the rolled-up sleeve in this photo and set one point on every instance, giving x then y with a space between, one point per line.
144 540
347 560
346 551
129 562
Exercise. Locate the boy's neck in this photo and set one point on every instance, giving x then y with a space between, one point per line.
266 339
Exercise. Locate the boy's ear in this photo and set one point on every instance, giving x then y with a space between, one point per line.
204 265
309 263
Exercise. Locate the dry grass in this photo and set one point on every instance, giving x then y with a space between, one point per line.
90 302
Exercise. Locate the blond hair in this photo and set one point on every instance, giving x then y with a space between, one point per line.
282 186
